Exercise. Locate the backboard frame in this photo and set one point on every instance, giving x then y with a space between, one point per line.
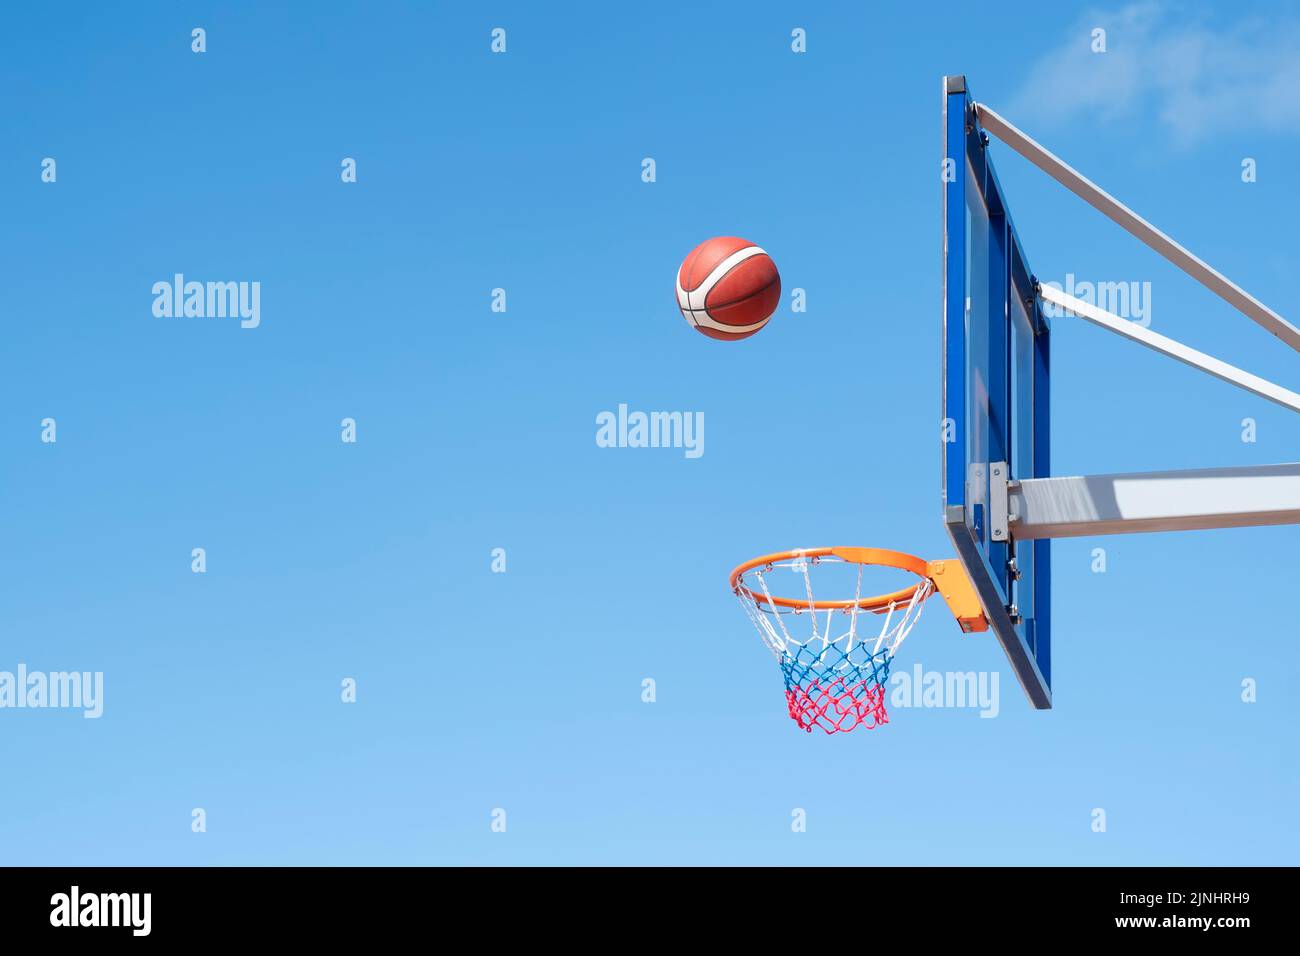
992 564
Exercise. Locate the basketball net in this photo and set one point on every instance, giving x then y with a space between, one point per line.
835 661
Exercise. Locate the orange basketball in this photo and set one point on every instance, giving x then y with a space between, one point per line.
728 288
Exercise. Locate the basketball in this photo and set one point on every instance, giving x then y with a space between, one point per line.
728 288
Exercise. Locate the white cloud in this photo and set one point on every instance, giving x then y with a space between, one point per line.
1190 77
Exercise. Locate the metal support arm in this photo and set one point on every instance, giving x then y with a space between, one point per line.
1154 501
1130 221
1174 349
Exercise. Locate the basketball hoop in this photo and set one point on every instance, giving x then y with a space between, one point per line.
835 677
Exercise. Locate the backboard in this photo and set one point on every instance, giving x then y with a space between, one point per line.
996 361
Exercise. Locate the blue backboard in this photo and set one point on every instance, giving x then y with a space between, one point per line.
996 361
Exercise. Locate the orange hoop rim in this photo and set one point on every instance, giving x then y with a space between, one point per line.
876 557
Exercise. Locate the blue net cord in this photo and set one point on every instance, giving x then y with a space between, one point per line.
833 691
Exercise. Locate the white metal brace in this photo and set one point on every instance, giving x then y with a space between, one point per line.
1149 501
1134 224
1176 350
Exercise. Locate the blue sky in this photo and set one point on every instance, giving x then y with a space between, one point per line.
476 430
